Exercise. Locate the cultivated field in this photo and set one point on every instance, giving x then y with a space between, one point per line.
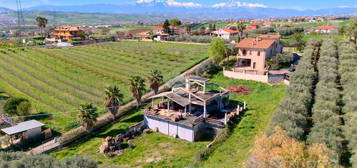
58 80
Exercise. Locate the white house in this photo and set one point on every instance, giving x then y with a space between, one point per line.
225 33
325 29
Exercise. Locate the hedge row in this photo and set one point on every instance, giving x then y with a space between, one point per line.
326 110
22 160
294 110
348 71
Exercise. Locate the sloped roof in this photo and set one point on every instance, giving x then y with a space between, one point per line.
255 43
197 78
230 30
270 36
326 27
21 127
69 28
162 27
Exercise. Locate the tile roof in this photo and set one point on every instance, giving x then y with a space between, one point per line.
326 27
230 30
162 27
270 36
158 28
69 28
255 43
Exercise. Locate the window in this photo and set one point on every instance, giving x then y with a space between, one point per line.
258 53
253 65
244 52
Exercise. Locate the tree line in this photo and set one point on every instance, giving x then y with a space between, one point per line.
294 111
326 109
320 104
348 71
22 160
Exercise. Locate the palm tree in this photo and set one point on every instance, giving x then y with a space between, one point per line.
87 115
137 88
155 79
112 99
41 23
241 27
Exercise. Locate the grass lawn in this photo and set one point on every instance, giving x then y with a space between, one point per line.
158 150
58 80
309 36
261 104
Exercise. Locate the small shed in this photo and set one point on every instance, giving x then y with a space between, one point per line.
28 129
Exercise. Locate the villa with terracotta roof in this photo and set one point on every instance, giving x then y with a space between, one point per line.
252 56
325 29
253 53
159 30
225 33
68 33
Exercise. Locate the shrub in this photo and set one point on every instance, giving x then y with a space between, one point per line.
11 106
19 160
217 50
280 60
278 150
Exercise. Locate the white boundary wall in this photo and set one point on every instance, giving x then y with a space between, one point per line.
244 76
254 77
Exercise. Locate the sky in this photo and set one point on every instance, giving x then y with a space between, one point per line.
282 4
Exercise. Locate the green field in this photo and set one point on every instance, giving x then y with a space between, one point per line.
58 80
158 150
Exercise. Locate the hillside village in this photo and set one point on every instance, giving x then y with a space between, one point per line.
272 92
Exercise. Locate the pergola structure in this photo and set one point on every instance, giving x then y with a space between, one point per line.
190 95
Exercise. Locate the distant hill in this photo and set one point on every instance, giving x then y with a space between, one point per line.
8 16
195 13
153 13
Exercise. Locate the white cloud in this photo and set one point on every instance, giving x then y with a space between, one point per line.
219 5
343 6
171 3
238 4
144 1
183 4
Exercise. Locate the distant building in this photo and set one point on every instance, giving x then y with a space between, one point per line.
159 30
141 34
68 33
253 27
325 29
225 33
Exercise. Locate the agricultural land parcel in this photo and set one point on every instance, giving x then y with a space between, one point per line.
58 80
158 150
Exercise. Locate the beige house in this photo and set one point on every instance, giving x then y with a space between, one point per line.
253 53
68 33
